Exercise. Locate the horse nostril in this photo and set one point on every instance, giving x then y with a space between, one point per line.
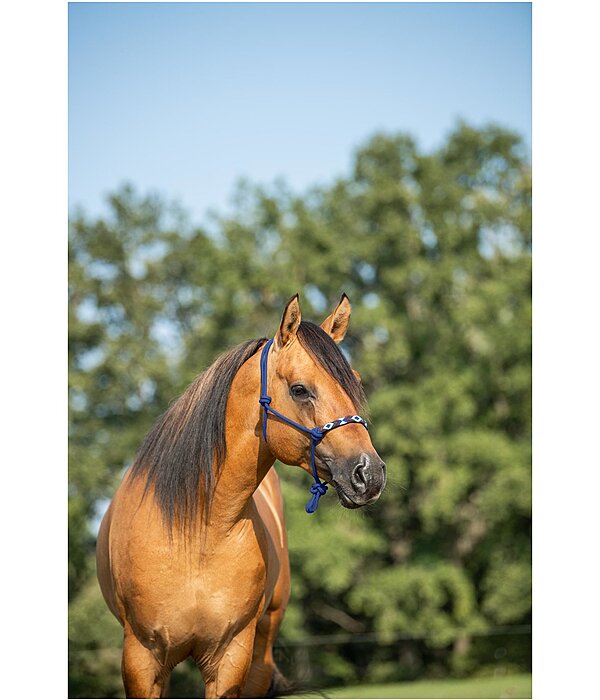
360 476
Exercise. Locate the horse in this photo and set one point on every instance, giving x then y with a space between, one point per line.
192 554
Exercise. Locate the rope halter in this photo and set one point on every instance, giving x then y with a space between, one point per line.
319 488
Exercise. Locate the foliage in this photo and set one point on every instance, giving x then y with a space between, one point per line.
434 251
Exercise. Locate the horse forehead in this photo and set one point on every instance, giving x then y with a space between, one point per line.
298 364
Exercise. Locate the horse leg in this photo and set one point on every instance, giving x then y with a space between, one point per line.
264 676
227 677
166 686
143 674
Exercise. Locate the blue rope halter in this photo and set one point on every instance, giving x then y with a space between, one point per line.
319 488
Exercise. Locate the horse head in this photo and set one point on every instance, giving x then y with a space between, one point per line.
310 383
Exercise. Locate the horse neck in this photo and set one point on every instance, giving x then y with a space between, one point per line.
248 457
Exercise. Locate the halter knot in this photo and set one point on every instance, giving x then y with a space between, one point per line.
317 489
264 401
317 434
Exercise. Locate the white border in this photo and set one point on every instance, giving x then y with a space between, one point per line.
33 56
566 582
33 53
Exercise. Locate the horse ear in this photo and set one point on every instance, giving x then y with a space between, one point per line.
289 322
336 324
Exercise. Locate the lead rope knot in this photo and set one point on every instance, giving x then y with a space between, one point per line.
317 489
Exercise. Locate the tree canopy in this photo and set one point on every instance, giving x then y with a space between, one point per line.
434 251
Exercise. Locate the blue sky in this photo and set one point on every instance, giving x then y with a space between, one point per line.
186 98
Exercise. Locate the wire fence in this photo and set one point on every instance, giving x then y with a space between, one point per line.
358 638
368 657
381 640
334 660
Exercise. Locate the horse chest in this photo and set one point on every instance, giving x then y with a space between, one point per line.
208 599
230 587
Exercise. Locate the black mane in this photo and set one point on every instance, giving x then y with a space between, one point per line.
186 445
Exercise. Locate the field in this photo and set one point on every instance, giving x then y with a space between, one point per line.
517 686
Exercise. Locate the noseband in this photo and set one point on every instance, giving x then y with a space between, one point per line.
319 488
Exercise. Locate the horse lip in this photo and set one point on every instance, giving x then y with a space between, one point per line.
345 499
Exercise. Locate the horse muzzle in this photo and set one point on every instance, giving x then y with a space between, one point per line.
359 481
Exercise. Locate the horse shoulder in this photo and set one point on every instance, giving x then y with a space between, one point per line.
269 503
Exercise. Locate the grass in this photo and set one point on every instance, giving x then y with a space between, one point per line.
516 686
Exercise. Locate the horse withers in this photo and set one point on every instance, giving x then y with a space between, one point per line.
192 553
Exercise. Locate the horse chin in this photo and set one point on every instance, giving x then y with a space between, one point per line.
344 499
355 500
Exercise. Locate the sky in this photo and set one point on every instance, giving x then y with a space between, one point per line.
184 99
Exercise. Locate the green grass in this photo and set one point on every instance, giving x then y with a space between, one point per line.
517 686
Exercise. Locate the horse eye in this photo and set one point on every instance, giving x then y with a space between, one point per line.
299 391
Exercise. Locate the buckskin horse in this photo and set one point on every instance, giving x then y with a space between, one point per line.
192 553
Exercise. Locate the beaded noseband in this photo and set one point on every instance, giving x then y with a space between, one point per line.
319 488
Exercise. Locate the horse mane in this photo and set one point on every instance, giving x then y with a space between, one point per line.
186 448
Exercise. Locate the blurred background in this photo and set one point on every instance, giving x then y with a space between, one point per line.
223 157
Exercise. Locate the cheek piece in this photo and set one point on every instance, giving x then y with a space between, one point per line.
319 488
